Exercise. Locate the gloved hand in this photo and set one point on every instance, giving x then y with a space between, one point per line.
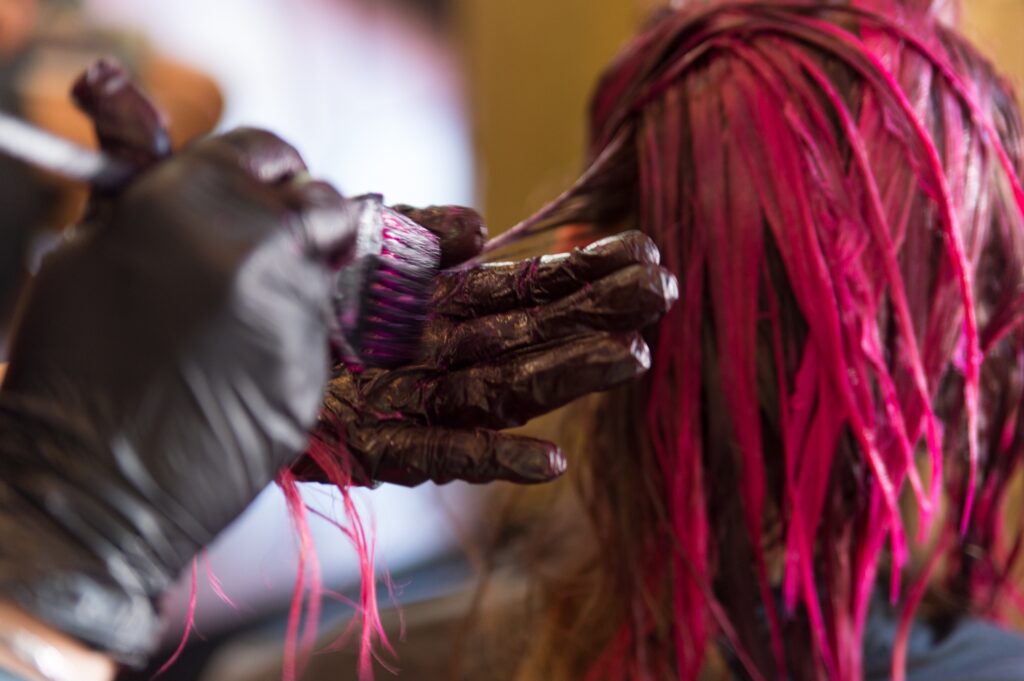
544 360
169 362
508 342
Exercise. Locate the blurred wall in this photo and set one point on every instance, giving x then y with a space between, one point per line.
995 26
530 67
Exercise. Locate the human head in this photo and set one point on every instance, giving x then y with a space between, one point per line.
835 185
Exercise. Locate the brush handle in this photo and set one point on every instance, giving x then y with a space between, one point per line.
57 155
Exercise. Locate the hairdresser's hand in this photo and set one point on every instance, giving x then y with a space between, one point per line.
170 361
508 342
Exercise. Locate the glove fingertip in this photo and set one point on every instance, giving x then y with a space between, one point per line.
626 356
658 291
643 247
670 285
628 247
531 461
260 153
329 226
461 230
642 353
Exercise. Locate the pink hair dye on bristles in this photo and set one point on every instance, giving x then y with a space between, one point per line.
382 296
836 186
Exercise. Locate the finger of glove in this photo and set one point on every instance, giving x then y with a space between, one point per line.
510 392
324 222
128 125
505 286
462 230
413 455
243 184
626 300
261 154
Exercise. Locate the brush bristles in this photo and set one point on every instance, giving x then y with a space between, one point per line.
397 293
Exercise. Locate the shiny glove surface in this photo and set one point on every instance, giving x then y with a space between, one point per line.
169 362
507 342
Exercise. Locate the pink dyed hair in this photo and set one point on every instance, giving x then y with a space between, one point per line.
836 186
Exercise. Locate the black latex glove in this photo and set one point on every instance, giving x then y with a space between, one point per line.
508 342
170 360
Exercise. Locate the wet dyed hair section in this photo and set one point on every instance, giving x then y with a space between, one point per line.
334 462
835 399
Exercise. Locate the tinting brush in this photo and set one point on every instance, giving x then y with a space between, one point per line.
383 295
381 298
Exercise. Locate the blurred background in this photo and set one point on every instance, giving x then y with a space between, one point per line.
476 102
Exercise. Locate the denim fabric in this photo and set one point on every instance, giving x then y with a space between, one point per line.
975 650
8 676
